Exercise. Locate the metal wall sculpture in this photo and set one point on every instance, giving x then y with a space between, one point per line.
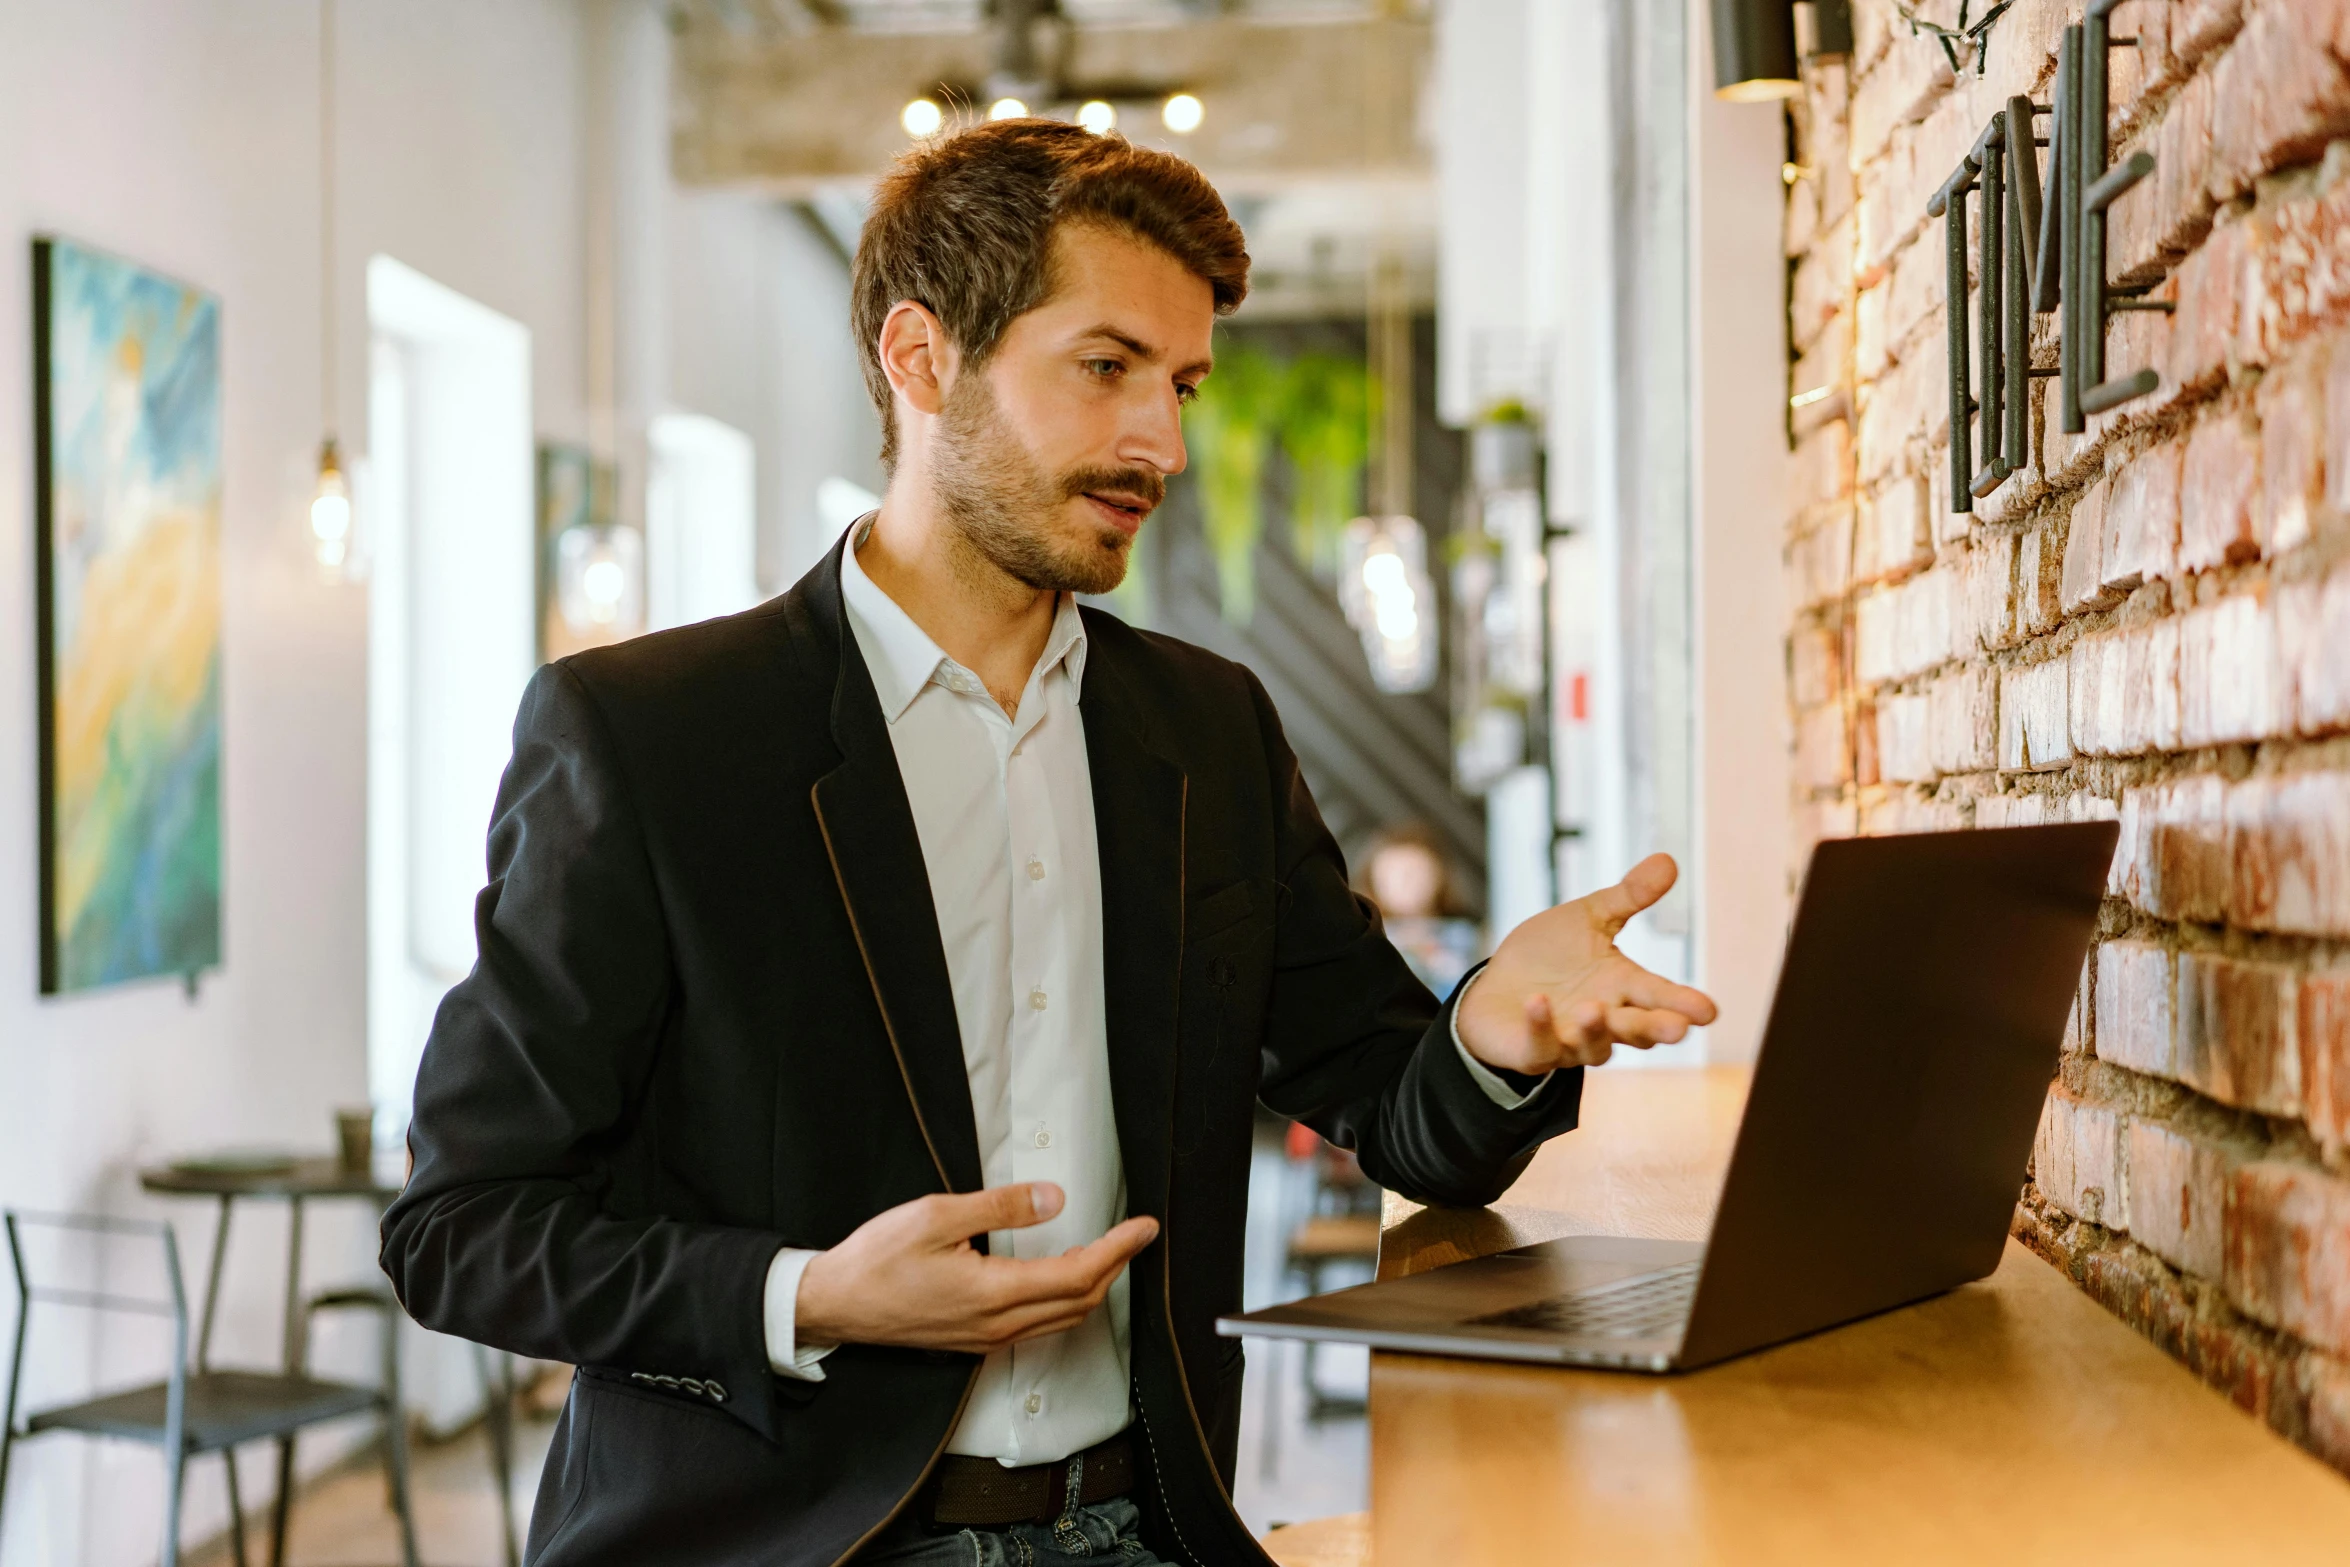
2035 257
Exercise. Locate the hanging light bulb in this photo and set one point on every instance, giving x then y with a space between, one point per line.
1007 109
1098 116
330 512
1182 113
922 118
600 580
1387 597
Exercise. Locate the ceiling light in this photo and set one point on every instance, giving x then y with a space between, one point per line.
1007 109
1754 50
330 512
1182 113
922 118
1097 116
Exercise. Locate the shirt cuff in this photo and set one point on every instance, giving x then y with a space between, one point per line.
786 1356
1485 1077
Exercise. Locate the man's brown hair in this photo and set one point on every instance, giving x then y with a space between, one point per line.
964 227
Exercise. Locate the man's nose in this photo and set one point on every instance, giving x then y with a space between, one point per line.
1154 437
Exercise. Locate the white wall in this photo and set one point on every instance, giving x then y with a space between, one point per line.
701 275
1739 358
184 136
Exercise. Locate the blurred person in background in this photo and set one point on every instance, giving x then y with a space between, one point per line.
1404 870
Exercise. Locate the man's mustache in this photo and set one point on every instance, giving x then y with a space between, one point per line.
1146 485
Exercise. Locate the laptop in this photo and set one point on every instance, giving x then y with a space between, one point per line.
1920 1010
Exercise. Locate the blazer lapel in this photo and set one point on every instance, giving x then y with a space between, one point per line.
1139 797
877 858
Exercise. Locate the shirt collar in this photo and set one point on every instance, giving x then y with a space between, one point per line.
901 656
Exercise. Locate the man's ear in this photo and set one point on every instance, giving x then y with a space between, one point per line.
917 357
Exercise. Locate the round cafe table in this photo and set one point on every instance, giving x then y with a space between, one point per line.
297 1181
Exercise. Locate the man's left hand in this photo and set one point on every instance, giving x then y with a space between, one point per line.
1558 993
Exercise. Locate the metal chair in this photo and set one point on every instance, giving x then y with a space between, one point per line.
192 1410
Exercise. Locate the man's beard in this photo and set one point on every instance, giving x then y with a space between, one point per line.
1005 506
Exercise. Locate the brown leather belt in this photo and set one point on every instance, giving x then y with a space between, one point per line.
967 1492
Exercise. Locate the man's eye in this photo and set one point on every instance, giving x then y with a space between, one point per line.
1104 367
1186 394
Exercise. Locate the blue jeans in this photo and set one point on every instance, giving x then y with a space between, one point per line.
1101 1535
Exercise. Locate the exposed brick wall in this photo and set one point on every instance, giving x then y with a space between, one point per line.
2150 622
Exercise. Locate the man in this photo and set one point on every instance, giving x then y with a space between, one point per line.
856 1079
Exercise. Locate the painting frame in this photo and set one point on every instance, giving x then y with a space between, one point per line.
128 466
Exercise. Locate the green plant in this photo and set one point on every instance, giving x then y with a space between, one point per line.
1324 423
1229 430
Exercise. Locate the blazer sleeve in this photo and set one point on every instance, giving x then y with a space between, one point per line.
535 1062
1356 1047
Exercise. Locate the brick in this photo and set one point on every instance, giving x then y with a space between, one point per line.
2288 1250
2094 694
2084 551
2013 810
2034 724
2134 1007
1872 343
2323 1028
2334 422
1962 735
1900 92
2200 26
2125 691
1820 289
2039 573
1819 470
2278 96
2079 1018
2293 282
2182 172
2326 1390
2218 486
2292 453
2313 651
1990 594
2238 1031
2178 1196
2228 669
1819 560
1906 629
1901 407
1894 536
2211 286
1814 668
2289 854
1902 740
2174 848
2077 1160
1823 755
2142 520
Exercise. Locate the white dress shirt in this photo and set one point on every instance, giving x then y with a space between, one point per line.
1003 807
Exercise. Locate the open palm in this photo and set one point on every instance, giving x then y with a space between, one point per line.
1558 993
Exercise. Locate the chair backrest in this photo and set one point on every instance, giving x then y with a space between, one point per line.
171 1304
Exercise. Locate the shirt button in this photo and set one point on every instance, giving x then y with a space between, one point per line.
1035 870
1044 1139
1036 1000
1035 1402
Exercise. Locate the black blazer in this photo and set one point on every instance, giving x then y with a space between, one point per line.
711 1017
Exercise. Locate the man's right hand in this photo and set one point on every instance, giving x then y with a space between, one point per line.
911 1276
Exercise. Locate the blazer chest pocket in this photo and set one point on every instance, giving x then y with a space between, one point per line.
1218 912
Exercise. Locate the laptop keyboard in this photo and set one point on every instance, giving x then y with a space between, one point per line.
1651 1305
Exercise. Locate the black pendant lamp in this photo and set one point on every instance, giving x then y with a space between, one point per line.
1754 50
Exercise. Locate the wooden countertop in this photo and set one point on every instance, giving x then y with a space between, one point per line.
2012 1421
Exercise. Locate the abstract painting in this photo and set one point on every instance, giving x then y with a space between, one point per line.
127 421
